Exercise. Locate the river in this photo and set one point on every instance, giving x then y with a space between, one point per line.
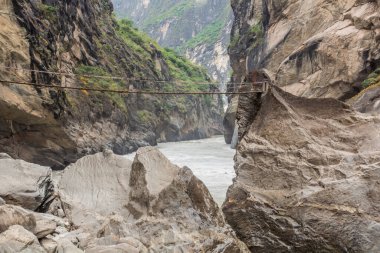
211 160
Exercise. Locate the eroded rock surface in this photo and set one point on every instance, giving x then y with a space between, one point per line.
149 204
23 183
314 49
97 182
14 215
18 239
308 178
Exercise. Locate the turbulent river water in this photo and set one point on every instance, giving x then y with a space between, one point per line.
211 160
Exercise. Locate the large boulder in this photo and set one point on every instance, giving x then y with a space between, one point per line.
24 184
98 183
40 224
159 185
18 239
45 225
14 215
308 178
149 204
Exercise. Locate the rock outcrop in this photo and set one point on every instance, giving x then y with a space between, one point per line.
23 183
308 175
54 127
315 49
106 203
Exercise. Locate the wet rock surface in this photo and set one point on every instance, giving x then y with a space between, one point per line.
308 175
106 203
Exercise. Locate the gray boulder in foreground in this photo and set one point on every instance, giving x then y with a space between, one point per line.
18 239
14 215
149 204
98 183
107 203
23 184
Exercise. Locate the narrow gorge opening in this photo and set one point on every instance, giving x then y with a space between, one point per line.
113 129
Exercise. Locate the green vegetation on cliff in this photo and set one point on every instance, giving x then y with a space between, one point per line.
102 83
198 30
210 34
373 78
182 74
176 10
180 69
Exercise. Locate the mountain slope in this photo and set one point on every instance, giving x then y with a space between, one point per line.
198 29
54 127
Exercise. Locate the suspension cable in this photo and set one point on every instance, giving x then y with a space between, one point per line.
126 91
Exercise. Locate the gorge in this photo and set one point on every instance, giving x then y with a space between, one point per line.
307 158
82 40
199 30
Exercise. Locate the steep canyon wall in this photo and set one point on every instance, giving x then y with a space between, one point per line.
54 127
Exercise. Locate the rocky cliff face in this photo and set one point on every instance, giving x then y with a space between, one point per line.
307 164
106 203
308 176
205 41
54 127
310 48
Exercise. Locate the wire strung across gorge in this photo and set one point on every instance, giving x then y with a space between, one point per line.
234 84
119 78
126 91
